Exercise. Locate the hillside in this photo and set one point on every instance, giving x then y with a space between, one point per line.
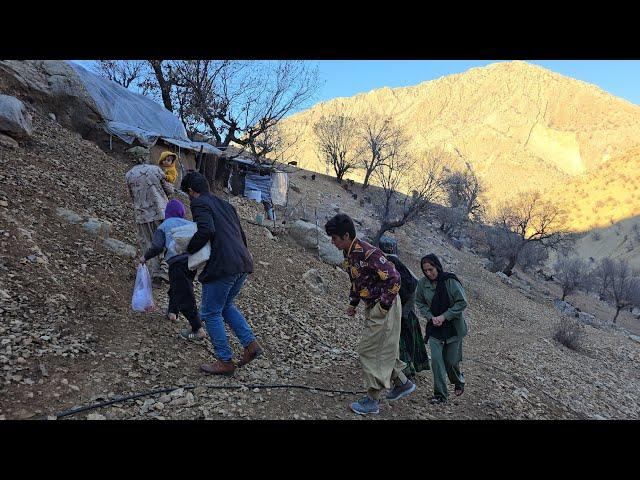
520 125
69 336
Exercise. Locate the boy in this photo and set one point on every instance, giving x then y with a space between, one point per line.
181 296
375 280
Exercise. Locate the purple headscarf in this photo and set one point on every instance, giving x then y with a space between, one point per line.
175 208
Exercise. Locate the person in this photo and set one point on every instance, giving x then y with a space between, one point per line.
223 275
413 351
374 280
149 191
441 300
181 296
167 162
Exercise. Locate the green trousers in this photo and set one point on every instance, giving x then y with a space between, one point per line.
445 362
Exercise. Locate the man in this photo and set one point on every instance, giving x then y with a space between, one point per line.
375 280
223 275
149 188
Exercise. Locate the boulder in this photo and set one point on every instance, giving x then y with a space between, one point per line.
8 142
97 227
589 319
120 248
15 121
504 278
68 215
314 281
315 238
565 308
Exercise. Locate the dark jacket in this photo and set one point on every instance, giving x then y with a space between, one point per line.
218 222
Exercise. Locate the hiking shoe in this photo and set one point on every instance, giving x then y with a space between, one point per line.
366 405
189 334
251 352
400 391
219 368
437 399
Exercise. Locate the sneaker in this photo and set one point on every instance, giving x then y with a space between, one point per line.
436 399
366 405
400 391
189 334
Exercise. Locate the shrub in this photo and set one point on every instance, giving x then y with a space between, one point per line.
569 333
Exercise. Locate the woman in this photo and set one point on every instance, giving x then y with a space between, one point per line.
441 299
412 348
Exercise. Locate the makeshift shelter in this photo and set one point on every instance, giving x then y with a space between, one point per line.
136 119
261 181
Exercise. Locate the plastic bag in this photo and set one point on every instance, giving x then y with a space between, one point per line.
200 258
182 236
142 300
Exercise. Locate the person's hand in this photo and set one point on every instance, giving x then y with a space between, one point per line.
439 320
351 311
142 260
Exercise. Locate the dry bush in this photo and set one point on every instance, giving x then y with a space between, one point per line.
569 333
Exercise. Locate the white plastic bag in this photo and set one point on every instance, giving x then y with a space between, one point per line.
142 300
182 236
200 258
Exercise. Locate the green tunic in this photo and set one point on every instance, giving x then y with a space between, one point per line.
457 300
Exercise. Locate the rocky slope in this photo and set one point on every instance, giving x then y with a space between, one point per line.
69 337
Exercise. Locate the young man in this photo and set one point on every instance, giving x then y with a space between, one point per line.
223 275
375 280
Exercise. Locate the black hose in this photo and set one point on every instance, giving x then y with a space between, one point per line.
123 398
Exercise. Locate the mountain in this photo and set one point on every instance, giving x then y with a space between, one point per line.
520 125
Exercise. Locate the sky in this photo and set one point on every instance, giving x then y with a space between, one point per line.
345 78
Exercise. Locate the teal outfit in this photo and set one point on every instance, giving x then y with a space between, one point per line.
446 354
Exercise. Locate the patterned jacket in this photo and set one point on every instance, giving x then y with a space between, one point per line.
373 277
148 188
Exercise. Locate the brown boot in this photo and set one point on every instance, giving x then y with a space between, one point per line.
251 352
219 368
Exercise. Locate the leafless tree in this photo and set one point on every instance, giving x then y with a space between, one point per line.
378 136
335 142
128 73
422 179
238 101
601 276
451 219
463 190
571 272
525 220
624 287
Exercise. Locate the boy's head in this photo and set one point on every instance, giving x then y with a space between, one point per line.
194 184
341 230
167 159
174 208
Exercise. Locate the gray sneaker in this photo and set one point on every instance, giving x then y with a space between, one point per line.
366 405
400 391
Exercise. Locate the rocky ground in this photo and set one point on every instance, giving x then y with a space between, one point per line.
69 336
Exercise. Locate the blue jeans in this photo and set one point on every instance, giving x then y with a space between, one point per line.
217 305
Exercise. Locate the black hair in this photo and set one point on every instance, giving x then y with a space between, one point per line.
433 260
339 225
195 181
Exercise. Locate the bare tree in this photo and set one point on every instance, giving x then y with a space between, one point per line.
451 219
128 73
624 287
571 272
238 101
463 190
525 220
378 136
602 275
334 138
422 179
